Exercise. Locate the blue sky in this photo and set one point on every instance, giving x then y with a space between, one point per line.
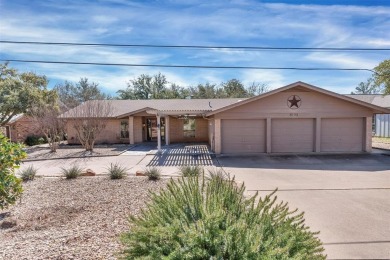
355 24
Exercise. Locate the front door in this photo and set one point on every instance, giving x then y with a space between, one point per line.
151 133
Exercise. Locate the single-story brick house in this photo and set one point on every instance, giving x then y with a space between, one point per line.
297 118
381 122
20 127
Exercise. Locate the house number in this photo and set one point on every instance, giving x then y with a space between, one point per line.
293 114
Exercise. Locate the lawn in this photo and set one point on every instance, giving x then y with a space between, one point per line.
72 219
381 139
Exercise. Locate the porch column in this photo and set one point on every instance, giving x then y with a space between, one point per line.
217 136
318 135
158 133
131 129
167 130
368 135
268 135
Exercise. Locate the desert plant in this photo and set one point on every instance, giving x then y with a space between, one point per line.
72 172
199 218
191 171
11 155
153 173
116 171
28 174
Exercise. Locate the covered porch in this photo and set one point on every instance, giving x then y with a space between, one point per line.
165 127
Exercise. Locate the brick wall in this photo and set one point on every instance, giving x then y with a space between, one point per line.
24 127
176 131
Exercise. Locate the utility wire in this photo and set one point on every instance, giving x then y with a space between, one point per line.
262 48
183 66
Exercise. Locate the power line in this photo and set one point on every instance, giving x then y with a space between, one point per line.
262 48
185 66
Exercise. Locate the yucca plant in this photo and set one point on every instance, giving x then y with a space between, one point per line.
191 171
28 174
116 171
72 172
153 173
199 218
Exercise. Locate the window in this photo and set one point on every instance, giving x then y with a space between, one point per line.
124 129
189 128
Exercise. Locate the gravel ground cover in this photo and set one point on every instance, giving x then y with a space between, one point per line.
72 219
66 151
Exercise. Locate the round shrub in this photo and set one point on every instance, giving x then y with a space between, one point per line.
198 218
11 155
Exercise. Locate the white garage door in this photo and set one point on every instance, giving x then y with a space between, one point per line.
243 136
342 134
292 135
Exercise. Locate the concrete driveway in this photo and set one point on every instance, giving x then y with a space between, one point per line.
345 197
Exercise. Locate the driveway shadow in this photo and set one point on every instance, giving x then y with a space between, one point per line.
330 162
184 154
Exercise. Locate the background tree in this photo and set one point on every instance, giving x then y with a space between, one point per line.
11 155
382 76
20 92
378 83
367 87
89 119
234 89
257 88
50 124
146 87
72 95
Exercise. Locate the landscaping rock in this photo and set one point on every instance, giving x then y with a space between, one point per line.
140 173
88 172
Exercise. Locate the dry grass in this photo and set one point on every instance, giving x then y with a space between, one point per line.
72 219
381 140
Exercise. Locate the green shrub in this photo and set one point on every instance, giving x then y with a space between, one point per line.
116 171
72 172
11 155
198 218
191 171
32 140
153 173
29 173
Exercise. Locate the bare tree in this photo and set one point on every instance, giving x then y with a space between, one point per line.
51 126
89 119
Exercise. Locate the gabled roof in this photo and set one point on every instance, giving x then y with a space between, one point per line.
375 99
302 86
123 108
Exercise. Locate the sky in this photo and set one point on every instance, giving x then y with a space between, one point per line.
289 23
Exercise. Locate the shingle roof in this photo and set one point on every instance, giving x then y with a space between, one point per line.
127 107
375 99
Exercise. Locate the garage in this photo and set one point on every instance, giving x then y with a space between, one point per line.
342 134
243 136
292 135
297 118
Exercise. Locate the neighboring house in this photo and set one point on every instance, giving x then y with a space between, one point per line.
297 118
19 127
381 122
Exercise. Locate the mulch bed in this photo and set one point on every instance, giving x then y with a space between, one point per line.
72 219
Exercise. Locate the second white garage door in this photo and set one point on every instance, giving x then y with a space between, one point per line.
243 136
292 135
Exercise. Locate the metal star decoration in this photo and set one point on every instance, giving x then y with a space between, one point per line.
294 102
